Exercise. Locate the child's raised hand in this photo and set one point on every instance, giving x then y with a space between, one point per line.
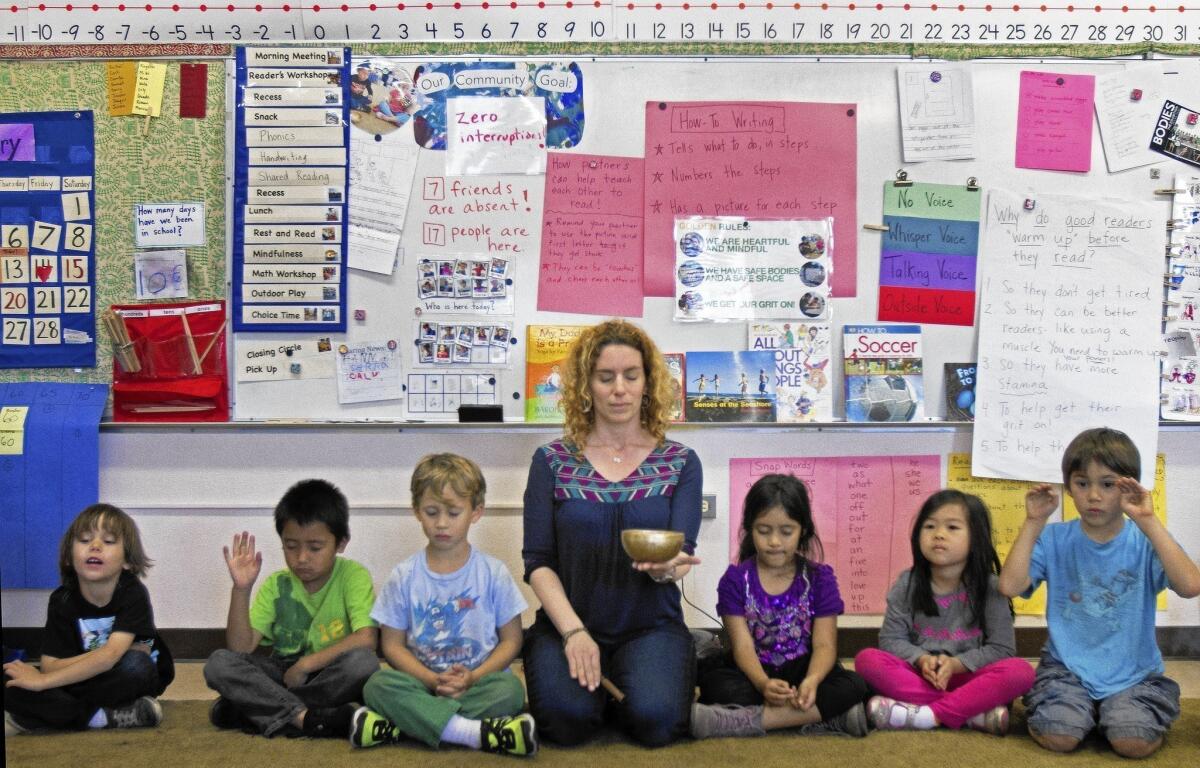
1136 501
1040 502
243 561
24 675
778 693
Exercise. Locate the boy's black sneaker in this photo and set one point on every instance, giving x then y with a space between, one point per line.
329 722
223 714
145 712
369 728
509 735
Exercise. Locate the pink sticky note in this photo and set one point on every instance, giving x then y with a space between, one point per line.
1054 121
863 508
761 160
592 235
17 142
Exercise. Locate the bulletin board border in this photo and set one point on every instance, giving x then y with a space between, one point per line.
117 51
429 50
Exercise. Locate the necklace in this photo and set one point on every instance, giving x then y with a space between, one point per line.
613 451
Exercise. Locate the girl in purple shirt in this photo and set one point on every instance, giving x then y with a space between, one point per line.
779 605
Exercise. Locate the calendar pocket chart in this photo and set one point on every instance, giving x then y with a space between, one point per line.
47 253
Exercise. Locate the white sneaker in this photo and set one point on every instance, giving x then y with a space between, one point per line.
144 712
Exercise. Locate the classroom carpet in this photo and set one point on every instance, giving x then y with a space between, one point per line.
185 739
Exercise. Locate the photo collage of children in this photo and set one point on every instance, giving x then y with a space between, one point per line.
462 343
463 279
1181 369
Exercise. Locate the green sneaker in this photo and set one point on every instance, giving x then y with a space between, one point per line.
509 735
368 729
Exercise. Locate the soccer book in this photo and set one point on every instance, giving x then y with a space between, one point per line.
882 371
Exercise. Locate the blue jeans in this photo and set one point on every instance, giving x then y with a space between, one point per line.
254 685
72 706
655 669
1059 705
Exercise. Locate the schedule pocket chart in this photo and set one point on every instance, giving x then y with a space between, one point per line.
290 189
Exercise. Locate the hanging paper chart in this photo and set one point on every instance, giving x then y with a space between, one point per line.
927 255
47 254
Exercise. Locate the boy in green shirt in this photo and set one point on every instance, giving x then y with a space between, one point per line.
314 616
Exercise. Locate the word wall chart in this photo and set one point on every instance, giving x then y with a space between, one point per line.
47 256
290 189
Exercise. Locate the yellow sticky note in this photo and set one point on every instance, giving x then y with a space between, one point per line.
148 92
122 76
12 429
1006 501
1158 496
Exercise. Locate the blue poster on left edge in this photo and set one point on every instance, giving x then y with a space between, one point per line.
47 252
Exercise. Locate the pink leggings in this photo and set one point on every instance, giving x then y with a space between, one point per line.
967 694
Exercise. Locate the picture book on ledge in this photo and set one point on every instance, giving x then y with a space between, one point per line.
882 371
545 358
802 374
959 386
730 386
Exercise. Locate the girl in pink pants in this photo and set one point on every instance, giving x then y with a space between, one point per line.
946 648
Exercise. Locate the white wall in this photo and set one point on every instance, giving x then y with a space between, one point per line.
191 489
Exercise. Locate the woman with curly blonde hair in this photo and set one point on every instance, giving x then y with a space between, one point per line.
613 469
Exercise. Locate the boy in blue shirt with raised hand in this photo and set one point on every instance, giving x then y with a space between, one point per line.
451 618
314 615
1101 665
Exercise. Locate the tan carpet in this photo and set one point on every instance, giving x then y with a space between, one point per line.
185 739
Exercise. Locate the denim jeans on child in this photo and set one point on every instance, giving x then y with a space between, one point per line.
72 706
254 685
1058 704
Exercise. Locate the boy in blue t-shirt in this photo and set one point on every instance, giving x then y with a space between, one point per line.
1101 664
451 620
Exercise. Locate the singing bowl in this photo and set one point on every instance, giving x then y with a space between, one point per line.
645 545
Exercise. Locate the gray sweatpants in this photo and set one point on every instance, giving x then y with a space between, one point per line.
254 685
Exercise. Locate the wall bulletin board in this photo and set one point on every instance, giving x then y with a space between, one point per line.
177 159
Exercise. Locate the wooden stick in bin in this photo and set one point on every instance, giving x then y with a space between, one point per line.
191 344
123 347
213 341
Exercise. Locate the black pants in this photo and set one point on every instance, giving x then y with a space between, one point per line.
724 683
72 706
